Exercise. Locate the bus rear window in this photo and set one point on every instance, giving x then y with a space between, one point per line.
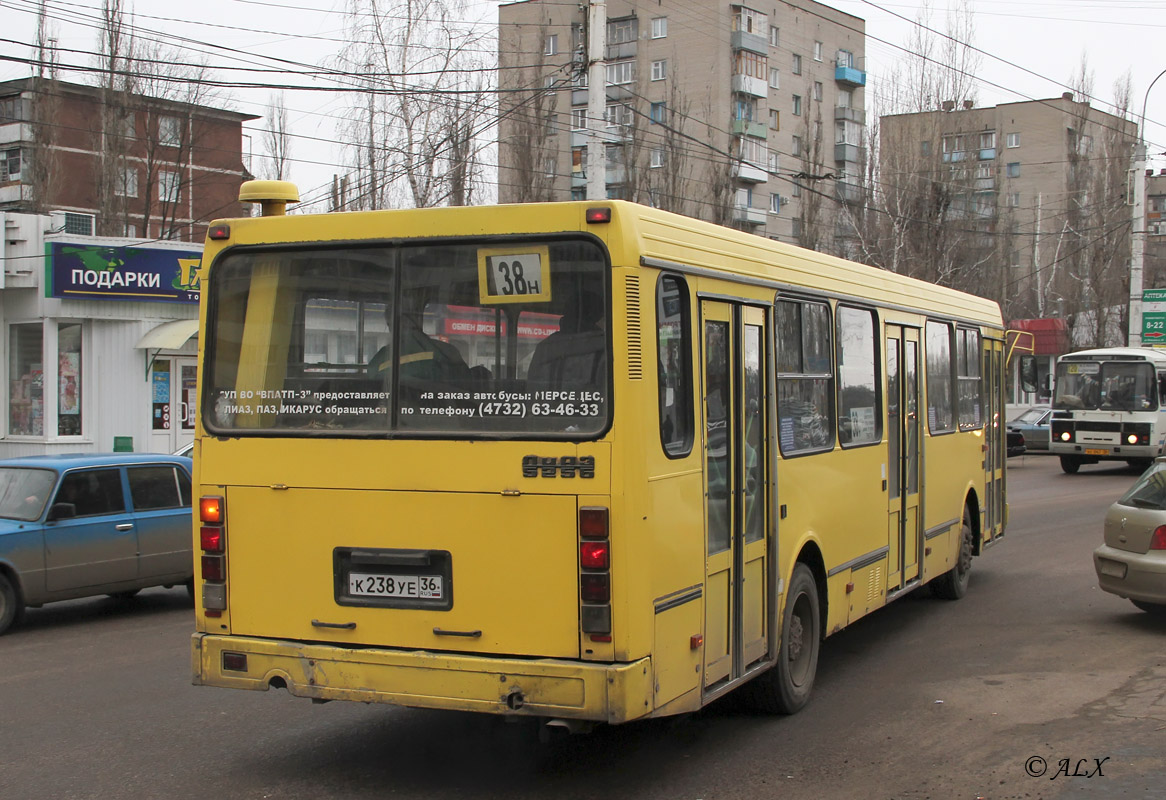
453 339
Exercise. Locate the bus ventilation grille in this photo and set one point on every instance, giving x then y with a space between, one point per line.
875 588
635 347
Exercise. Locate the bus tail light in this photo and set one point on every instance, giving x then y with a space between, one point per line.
212 536
595 573
1158 540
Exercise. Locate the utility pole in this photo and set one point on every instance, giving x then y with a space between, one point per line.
1138 243
596 163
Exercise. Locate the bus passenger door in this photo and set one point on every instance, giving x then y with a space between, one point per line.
736 488
995 449
905 534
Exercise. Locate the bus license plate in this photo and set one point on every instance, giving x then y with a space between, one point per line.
421 587
1089 452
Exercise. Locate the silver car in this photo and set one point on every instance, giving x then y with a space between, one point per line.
82 525
1132 562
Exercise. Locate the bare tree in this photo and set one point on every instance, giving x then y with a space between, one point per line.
43 167
277 139
423 104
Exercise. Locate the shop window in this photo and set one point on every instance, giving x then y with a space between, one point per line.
26 380
69 379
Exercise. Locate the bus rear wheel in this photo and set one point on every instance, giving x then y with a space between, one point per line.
785 688
953 584
1070 464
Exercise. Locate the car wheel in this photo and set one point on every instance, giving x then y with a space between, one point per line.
785 688
1070 464
1158 609
953 584
11 605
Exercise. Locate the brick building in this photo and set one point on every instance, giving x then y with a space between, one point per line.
116 164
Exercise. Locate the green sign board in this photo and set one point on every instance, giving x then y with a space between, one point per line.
1154 296
1154 327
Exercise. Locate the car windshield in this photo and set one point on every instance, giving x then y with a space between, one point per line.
1149 491
1031 417
24 491
1119 385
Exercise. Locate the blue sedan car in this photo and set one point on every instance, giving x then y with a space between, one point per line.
83 525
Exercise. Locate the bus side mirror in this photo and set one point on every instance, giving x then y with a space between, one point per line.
1028 373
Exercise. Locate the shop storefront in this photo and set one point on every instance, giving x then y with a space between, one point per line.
101 341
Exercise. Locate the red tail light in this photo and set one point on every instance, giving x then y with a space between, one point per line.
214 568
211 539
1158 540
593 555
593 523
594 588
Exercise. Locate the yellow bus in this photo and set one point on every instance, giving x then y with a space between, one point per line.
582 462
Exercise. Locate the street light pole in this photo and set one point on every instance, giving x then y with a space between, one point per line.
1138 224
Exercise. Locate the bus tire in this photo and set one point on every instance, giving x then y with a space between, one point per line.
785 688
953 584
11 605
1070 464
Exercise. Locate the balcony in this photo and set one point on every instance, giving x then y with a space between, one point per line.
745 127
747 84
749 215
850 76
11 132
850 115
852 153
579 97
740 40
749 173
848 193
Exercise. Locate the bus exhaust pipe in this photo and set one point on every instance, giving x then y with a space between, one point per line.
573 727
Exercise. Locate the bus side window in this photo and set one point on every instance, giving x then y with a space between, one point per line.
674 366
1162 390
805 377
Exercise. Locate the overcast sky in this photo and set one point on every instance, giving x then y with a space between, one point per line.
1031 49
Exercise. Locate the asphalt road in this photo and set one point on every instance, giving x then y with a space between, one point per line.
1035 669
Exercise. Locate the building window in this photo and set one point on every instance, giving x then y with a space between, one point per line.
797 105
578 118
127 185
774 119
845 99
744 108
774 78
925 148
551 46
129 129
69 379
744 197
796 191
1014 200
1013 170
817 91
817 51
795 228
774 36
751 64
10 164
169 131
797 146
747 20
10 109
621 72
847 132
578 194
659 70
168 183
659 27
549 167
1012 140
129 230
658 157
845 58
620 31
775 203
673 350
797 64
657 113
26 380
618 114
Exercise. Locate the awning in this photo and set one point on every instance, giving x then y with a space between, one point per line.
168 335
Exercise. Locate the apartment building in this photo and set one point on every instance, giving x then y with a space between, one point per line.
1155 253
750 115
1038 190
117 164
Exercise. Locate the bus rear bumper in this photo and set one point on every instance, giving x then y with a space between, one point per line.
610 693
